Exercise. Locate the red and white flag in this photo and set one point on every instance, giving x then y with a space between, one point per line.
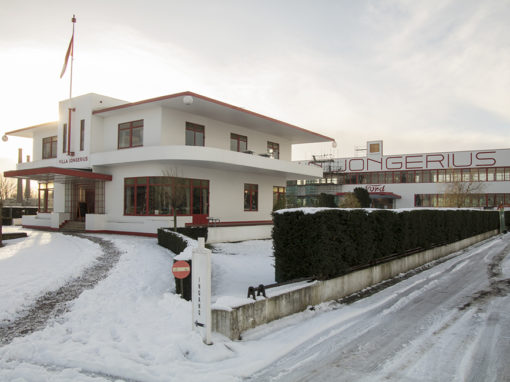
69 53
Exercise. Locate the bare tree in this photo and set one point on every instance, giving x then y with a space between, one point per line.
458 193
7 188
350 201
176 197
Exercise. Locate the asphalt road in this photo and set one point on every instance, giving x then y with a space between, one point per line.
448 323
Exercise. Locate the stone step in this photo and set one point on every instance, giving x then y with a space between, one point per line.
73 226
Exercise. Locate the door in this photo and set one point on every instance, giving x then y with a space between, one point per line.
200 201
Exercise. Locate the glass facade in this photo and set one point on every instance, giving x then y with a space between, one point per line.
161 195
482 174
471 200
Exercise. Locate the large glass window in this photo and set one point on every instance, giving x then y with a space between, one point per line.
251 196
159 195
49 147
194 134
130 134
238 142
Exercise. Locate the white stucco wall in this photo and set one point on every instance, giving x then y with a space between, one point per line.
217 134
226 192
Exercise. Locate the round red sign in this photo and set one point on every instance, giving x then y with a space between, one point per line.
181 269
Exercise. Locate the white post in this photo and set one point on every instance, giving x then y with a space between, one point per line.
201 290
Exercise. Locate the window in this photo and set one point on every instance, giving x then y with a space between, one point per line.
251 194
45 197
273 149
49 147
64 138
158 195
194 134
238 143
82 135
278 194
130 134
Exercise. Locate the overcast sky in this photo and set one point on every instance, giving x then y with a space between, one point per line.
421 75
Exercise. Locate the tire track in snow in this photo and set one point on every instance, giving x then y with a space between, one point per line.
54 303
418 314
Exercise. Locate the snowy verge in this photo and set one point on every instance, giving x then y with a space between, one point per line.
314 210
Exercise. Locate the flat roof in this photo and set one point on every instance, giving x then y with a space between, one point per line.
57 175
28 132
224 112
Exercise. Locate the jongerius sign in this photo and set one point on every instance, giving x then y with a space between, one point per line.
201 290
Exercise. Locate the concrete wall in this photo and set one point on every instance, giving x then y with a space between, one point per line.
238 233
232 323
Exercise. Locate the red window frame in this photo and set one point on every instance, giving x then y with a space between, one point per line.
238 139
46 191
130 126
173 183
50 141
195 129
251 197
278 193
273 149
472 174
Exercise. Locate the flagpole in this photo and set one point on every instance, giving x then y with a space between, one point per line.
72 59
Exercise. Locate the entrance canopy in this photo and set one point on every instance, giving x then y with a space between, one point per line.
378 195
384 195
57 175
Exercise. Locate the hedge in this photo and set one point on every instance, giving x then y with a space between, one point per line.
175 243
326 243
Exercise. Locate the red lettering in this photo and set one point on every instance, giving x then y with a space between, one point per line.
357 169
463 165
393 163
375 161
408 162
428 160
375 188
490 159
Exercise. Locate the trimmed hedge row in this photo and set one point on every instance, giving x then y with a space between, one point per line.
329 242
169 240
175 243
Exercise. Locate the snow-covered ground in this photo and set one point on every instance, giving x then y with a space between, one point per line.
42 262
132 327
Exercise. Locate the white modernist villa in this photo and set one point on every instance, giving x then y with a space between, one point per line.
124 167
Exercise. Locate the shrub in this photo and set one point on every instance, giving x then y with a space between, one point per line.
171 241
363 197
329 242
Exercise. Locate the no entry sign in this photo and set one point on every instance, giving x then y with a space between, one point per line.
181 269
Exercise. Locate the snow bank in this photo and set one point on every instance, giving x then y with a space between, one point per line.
314 210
